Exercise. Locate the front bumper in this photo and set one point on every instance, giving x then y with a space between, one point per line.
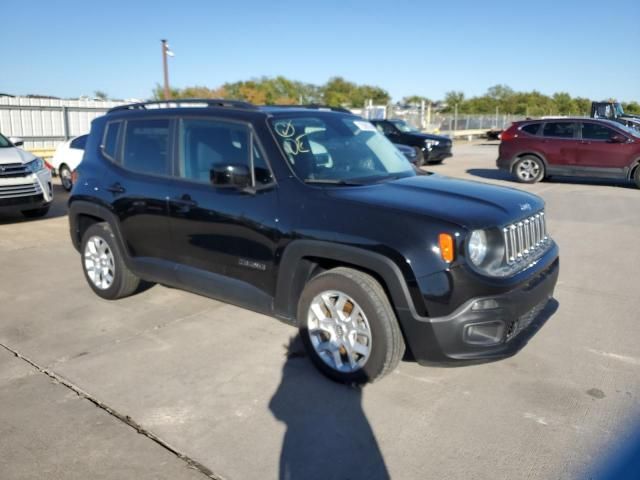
504 163
437 154
470 335
26 192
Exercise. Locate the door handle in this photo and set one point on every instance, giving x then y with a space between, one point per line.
116 188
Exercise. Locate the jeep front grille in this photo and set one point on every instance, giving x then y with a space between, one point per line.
525 239
12 170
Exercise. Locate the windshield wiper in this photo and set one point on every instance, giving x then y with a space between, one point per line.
331 181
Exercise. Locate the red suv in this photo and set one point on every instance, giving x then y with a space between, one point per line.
535 149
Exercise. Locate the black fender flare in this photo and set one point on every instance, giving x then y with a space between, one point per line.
83 207
292 273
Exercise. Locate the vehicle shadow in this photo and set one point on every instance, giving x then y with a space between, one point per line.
58 208
497 174
328 435
491 174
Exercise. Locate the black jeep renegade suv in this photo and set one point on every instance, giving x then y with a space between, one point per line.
314 217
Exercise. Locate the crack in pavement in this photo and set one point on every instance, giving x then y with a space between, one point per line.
126 419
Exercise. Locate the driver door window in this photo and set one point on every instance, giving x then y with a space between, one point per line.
593 131
206 144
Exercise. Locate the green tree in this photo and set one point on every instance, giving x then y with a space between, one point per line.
453 98
632 108
202 92
415 100
158 92
583 105
338 92
101 94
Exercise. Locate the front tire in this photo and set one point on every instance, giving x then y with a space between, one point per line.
529 169
419 157
348 326
65 177
103 264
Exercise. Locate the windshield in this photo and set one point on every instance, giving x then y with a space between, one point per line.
404 126
626 128
4 143
338 149
618 109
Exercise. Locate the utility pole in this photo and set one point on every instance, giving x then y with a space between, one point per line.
455 120
165 66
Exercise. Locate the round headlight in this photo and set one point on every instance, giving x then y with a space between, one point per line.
477 247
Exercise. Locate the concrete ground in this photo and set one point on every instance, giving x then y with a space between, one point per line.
167 384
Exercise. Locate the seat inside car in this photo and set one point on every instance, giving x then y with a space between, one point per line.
207 147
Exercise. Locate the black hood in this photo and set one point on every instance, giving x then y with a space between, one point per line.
465 203
429 136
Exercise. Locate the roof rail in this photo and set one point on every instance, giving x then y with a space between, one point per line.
315 106
185 102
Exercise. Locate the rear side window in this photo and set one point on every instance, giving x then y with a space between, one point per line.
146 145
531 129
110 140
559 129
593 131
79 142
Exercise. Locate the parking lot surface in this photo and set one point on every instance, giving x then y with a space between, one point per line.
167 384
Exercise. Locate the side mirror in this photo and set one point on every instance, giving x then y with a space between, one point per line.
617 138
17 141
233 175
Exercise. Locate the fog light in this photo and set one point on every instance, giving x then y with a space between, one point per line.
486 304
486 333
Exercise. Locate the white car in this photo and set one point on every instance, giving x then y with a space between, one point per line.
67 158
25 181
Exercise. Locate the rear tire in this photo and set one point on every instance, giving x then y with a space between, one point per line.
36 213
103 264
636 176
348 326
529 169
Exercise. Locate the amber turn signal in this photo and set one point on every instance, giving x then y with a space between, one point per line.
447 251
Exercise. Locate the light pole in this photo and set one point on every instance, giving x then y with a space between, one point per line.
166 51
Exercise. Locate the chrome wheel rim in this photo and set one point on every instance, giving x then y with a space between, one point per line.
99 262
65 178
339 331
528 170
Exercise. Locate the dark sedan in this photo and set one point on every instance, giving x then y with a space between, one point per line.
429 148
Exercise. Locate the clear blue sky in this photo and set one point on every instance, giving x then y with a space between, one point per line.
64 48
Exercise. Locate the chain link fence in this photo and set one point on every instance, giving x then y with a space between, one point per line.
451 124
